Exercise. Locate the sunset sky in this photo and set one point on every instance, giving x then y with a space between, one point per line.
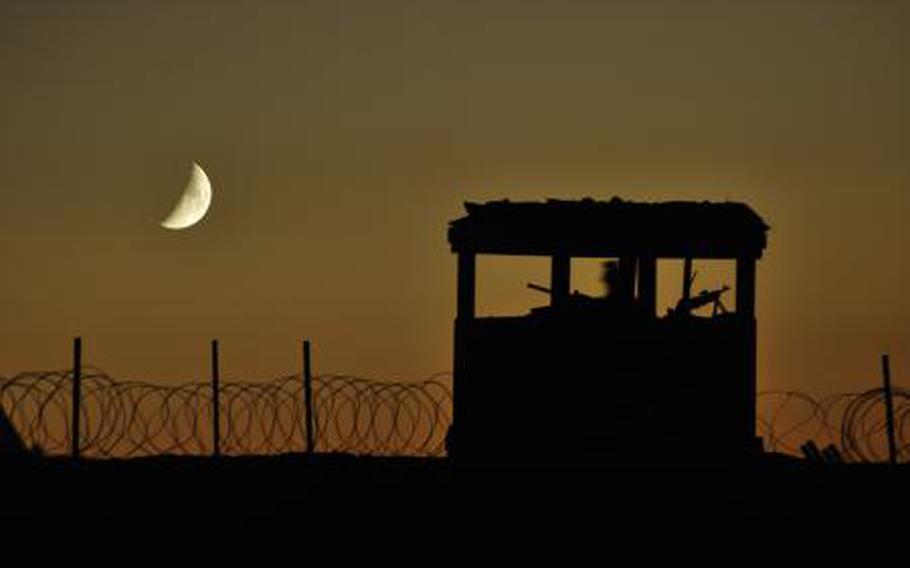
342 136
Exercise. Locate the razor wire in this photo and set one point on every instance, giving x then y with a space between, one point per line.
123 418
855 423
134 418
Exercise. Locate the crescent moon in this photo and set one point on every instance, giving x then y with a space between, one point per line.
193 203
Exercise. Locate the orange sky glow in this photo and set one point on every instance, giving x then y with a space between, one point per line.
341 137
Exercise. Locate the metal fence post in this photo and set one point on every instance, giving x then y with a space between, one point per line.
77 396
308 398
216 406
889 409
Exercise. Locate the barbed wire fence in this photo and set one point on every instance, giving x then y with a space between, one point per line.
136 418
856 422
123 418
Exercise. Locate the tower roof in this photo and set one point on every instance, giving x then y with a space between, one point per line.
587 227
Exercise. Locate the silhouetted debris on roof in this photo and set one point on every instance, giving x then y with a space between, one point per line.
672 229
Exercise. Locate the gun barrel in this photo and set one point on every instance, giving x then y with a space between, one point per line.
703 298
539 288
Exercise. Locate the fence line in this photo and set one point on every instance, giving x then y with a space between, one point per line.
854 422
360 416
134 418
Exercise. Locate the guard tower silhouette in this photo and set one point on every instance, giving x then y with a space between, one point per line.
577 380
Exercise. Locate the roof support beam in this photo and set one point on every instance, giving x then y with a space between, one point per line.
628 267
745 287
467 282
560 279
647 284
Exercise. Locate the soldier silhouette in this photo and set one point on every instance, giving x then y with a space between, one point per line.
610 279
